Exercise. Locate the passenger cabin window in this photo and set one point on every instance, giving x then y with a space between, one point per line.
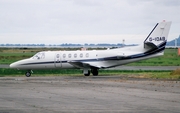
75 55
64 55
69 55
81 55
38 56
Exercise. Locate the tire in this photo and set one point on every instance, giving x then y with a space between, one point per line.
28 74
87 74
94 72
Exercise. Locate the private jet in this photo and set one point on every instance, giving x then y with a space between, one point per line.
90 61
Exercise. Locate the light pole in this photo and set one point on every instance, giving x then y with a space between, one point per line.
123 42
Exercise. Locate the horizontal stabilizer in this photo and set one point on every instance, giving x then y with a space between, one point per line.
150 44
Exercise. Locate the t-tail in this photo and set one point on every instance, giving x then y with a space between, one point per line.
158 36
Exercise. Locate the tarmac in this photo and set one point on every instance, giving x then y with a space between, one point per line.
93 94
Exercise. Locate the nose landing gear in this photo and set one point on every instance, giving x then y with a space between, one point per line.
28 73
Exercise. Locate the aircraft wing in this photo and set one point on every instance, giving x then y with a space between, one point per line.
82 65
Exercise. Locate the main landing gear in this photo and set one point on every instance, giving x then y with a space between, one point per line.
28 73
93 71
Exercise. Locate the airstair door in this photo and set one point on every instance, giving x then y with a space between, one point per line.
57 60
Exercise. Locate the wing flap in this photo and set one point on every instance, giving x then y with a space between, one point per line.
83 65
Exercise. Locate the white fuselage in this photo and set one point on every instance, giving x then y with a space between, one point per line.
98 58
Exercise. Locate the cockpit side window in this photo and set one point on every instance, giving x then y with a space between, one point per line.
38 56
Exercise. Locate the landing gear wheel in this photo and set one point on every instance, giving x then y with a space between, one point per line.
87 74
28 74
94 72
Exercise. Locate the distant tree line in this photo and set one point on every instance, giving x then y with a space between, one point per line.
174 42
64 44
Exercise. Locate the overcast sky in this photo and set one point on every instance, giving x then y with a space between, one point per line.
84 21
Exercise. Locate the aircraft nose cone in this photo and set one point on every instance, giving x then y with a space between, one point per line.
13 65
19 64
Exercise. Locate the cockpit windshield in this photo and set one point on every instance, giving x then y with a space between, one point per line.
38 56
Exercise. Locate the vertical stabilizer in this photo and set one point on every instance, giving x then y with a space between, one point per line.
158 36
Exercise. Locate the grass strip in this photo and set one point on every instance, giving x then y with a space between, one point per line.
9 55
76 72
